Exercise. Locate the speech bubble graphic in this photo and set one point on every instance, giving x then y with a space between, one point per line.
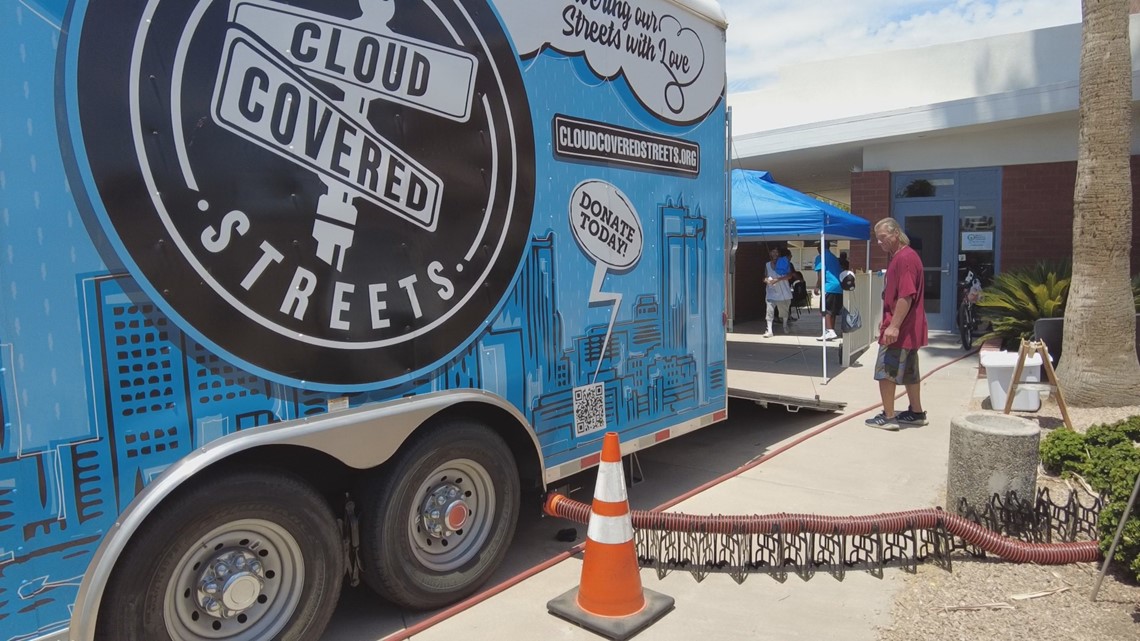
608 230
606 225
672 59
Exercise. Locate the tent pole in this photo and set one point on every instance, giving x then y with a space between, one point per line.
823 298
871 279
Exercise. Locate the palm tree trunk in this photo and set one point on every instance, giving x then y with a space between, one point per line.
1100 368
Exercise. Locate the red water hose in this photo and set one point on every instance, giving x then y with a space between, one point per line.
484 595
885 523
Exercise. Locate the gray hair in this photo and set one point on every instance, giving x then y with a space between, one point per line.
892 227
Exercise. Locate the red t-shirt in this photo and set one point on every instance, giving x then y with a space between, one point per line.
905 279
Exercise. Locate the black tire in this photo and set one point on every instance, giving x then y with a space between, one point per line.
403 560
965 326
291 565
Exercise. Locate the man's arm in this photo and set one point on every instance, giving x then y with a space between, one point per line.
902 308
891 333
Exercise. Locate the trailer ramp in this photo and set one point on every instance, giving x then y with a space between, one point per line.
792 403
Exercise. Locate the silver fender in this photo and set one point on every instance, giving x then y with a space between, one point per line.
349 436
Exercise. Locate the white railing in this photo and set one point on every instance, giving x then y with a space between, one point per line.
867 298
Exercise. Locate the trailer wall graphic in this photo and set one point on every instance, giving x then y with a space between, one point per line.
412 252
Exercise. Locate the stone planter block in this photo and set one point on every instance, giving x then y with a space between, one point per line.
991 453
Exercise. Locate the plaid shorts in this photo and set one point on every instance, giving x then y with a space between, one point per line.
897 364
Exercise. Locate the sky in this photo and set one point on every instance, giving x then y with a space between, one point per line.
765 35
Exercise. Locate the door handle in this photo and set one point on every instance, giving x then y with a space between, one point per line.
945 269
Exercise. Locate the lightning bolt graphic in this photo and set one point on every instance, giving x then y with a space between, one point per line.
597 296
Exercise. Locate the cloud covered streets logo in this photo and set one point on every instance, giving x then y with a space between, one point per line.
337 193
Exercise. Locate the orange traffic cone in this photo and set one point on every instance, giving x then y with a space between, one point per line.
609 599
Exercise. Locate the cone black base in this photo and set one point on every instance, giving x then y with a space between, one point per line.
657 605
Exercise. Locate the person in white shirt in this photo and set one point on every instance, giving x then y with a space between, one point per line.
778 292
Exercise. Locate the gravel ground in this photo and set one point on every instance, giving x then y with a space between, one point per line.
988 599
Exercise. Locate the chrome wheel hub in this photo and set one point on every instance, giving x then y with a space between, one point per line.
230 584
241 581
444 512
450 524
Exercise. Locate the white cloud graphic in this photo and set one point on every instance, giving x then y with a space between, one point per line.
670 58
684 60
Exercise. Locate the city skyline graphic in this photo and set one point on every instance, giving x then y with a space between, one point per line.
157 395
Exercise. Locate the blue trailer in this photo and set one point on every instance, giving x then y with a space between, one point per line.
294 291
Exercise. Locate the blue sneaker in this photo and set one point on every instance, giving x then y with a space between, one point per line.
910 417
880 421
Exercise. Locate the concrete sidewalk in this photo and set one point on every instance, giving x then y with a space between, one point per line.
848 469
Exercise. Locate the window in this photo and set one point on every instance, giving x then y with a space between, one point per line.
924 186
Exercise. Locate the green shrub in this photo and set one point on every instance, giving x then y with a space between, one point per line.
1061 446
1017 298
1130 427
1107 457
1112 470
1128 550
1108 435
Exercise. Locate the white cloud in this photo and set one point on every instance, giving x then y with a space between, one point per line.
765 35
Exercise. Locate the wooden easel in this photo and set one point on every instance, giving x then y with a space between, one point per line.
1036 347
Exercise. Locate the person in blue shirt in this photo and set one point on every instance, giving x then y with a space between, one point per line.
828 266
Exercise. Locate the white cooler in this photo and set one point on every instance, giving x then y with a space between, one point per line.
999 372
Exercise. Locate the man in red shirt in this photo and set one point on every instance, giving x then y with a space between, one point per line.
903 330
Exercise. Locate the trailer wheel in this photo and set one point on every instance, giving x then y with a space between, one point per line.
436 523
246 557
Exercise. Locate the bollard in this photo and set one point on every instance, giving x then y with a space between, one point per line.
991 453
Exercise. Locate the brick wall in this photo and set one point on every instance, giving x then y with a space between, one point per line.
1135 169
1037 213
870 200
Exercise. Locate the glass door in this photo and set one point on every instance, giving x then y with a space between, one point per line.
932 227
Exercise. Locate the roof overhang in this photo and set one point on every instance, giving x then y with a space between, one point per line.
819 157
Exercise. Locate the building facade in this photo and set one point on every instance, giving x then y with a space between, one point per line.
973 145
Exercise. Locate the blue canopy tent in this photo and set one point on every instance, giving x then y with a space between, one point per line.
766 210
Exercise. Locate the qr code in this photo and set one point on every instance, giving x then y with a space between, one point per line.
589 409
